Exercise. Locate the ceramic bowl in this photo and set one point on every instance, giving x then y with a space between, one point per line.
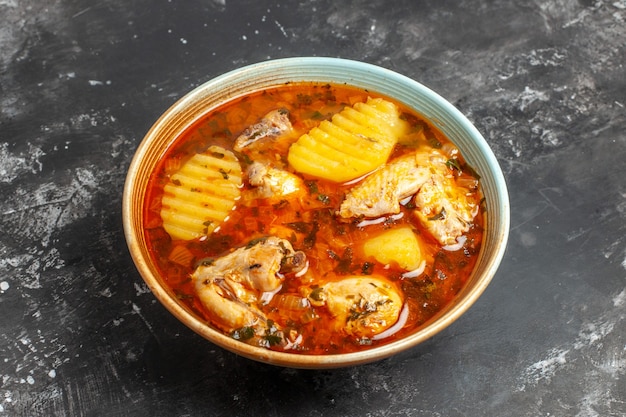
433 107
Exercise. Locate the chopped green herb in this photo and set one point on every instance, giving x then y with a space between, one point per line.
243 333
471 171
368 268
224 173
205 262
256 241
454 163
316 294
316 115
434 142
304 99
312 186
300 227
281 204
323 198
273 339
439 216
345 263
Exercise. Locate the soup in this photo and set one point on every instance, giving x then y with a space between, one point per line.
314 218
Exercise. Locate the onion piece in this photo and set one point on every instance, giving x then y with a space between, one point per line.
267 296
460 241
379 220
294 344
399 324
416 272
370 222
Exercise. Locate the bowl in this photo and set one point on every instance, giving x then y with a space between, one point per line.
190 108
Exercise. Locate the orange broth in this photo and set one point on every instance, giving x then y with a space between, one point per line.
332 246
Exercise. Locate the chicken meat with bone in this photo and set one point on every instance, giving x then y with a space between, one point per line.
361 306
231 287
444 208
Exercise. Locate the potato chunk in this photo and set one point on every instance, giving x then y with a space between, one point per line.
399 245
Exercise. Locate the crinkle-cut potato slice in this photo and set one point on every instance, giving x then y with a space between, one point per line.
201 194
358 140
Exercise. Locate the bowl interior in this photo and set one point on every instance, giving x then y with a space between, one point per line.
442 114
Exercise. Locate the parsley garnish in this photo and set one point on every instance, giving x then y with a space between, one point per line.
454 164
243 333
439 216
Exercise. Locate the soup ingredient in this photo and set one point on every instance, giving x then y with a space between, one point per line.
274 124
358 140
445 209
272 183
201 194
232 286
381 192
361 306
443 205
399 245
447 203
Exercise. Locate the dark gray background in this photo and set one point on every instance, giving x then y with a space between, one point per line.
82 81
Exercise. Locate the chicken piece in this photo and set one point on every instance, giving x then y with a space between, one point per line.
231 286
273 182
273 124
381 192
445 209
361 306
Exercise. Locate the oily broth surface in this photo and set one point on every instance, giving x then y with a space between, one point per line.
333 246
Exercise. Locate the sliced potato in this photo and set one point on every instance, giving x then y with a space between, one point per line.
399 245
358 140
201 194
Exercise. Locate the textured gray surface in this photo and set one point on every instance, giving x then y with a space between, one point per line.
81 82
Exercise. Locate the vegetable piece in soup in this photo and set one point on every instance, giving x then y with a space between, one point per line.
314 219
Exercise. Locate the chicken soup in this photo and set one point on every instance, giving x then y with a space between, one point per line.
314 219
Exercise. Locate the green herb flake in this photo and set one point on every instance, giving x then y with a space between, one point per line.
300 227
324 198
205 262
304 99
243 333
471 171
273 339
316 294
316 115
434 142
312 186
454 163
439 216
